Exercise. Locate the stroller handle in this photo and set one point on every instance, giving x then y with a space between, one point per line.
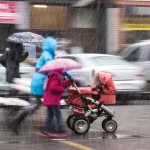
73 82
75 86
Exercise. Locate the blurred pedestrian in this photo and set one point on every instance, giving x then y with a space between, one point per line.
13 55
3 57
54 87
37 83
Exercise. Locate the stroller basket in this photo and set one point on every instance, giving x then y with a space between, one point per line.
107 95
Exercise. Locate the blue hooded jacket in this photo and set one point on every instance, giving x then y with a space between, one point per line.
47 55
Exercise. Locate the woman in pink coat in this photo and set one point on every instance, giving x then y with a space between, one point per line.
54 87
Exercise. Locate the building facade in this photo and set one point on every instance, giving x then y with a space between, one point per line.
93 25
84 25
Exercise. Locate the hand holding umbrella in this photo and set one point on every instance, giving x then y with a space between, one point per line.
68 74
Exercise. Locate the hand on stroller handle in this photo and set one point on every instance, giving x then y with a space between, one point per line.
68 74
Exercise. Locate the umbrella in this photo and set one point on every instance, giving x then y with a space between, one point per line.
25 37
61 64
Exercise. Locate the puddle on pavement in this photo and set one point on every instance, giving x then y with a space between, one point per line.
9 142
101 136
118 136
13 142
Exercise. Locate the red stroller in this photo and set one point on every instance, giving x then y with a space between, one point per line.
88 104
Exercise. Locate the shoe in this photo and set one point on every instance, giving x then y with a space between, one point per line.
42 133
52 134
15 130
56 134
66 133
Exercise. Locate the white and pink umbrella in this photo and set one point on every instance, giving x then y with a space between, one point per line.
61 64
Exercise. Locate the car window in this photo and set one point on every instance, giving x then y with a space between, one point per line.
98 60
105 60
69 57
149 57
134 55
144 53
128 50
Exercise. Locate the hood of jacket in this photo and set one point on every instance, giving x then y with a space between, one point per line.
49 45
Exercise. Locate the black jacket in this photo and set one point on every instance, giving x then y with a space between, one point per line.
11 59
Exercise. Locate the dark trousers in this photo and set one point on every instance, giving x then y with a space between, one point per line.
24 112
53 111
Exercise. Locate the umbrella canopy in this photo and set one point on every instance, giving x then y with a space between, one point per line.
25 37
61 64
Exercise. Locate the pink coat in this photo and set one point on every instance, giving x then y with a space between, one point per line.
54 89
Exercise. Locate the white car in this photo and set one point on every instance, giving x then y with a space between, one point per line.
139 54
128 78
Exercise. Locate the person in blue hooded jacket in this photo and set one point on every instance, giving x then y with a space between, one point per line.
37 83
48 54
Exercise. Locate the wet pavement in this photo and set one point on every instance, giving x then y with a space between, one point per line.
133 133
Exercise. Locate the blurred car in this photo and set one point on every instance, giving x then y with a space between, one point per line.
139 54
26 71
128 78
60 52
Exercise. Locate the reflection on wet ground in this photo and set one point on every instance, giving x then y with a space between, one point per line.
91 141
133 129
30 137
118 136
98 135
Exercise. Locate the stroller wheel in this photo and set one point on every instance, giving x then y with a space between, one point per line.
81 126
109 125
70 121
104 122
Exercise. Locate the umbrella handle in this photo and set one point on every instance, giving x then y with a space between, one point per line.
68 74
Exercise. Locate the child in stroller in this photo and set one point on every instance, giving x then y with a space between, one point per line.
88 104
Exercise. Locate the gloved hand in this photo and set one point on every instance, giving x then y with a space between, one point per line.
26 54
68 74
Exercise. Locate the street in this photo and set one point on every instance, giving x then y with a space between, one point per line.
133 133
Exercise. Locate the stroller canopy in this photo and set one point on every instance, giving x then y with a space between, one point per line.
106 80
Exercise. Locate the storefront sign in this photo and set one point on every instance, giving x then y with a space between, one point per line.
8 12
136 23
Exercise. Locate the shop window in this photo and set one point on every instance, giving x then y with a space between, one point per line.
83 18
51 17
